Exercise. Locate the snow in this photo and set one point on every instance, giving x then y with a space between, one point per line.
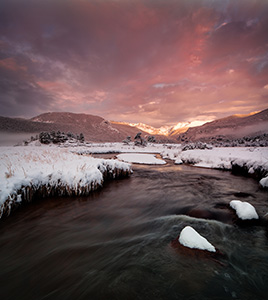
192 239
163 130
54 165
244 210
264 182
223 158
178 161
99 148
220 158
50 166
171 152
253 159
141 158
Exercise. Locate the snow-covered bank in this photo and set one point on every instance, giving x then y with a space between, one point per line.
248 160
99 148
141 158
252 161
27 171
224 158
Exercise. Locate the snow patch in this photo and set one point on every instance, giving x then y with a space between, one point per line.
178 161
141 158
244 210
264 182
192 239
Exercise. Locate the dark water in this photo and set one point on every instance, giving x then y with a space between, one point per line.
116 243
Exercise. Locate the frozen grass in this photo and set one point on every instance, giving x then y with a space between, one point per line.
26 170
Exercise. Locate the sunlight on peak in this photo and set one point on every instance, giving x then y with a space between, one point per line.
246 115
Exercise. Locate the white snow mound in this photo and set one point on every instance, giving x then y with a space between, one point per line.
264 182
178 161
192 239
141 158
244 210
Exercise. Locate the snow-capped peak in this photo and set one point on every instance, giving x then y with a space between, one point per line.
166 130
163 130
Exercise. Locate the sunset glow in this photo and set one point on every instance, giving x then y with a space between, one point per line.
158 62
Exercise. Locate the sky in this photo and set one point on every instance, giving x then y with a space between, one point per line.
159 62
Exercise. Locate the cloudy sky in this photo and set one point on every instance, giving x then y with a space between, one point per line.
154 61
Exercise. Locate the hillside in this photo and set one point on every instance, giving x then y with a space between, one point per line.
94 128
97 129
231 127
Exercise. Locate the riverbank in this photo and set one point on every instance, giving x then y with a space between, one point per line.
246 161
30 172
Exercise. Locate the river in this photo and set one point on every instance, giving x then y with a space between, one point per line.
117 242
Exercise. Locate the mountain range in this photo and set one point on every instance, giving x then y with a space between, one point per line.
97 129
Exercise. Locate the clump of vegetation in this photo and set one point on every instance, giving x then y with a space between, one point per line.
59 137
223 141
246 141
197 145
127 140
151 139
139 140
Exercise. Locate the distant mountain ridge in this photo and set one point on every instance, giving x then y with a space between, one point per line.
235 126
94 128
97 129
164 130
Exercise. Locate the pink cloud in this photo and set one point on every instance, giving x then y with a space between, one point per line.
146 61
11 64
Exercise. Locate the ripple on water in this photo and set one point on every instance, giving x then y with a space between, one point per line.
116 243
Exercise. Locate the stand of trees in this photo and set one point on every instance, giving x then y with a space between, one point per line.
59 137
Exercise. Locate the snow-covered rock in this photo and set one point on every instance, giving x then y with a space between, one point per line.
192 239
264 182
178 161
141 158
244 210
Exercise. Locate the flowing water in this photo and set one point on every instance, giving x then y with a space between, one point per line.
117 242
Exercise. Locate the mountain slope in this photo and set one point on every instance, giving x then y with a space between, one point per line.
230 127
18 125
97 129
94 128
